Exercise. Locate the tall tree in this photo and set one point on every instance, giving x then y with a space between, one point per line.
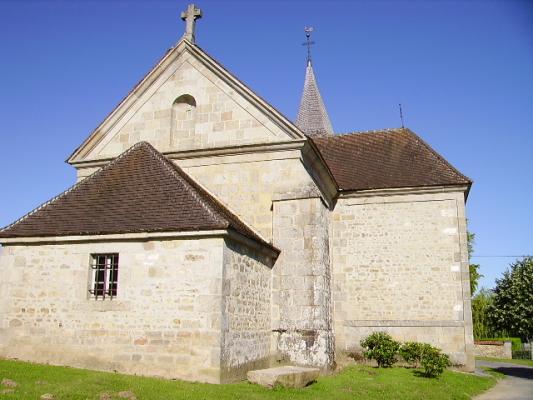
473 269
512 306
480 310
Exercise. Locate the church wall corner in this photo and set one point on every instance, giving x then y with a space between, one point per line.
390 255
246 304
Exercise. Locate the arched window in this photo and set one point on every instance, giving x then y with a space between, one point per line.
183 117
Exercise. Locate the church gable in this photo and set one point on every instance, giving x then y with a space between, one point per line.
187 102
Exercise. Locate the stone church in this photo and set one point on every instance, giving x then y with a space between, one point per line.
208 235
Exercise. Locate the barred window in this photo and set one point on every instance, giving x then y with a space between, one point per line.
104 275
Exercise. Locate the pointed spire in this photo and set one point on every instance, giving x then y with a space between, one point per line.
312 118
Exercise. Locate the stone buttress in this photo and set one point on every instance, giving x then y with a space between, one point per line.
301 306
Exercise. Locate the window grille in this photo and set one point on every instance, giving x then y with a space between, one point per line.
104 275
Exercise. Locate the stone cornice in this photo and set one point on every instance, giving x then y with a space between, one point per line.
310 157
272 253
214 152
404 323
320 172
403 191
137 236
267 250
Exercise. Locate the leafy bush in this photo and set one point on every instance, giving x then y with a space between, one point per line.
480 314
433 361
511 309
412 352
380 346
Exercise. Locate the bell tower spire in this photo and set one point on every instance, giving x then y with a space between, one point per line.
312 119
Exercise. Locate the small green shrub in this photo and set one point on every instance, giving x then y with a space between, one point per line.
433 361
380 346
411 352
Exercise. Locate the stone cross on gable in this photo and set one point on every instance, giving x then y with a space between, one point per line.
190 16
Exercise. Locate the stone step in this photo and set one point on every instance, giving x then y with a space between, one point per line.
287 376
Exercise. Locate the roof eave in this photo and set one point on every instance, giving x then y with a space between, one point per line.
129 236
403 190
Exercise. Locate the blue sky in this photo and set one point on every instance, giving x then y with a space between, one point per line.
462 70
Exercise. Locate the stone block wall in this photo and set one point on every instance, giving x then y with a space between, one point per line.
246 311
301 305
493 349
165 321
221 117
400 265
248 183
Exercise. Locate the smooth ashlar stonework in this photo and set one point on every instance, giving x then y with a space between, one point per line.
400 265
301 304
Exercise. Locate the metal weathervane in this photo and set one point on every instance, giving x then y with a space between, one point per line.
309 42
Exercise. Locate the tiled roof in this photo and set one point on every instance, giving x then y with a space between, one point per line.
392 158
312 119
139 191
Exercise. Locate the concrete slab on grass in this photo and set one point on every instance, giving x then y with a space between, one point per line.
287 376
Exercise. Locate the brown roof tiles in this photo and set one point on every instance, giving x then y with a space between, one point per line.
139 191
392 158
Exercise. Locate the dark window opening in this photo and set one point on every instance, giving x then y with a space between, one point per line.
104 275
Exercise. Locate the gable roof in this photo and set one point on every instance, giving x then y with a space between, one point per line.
390 158
139 191
313 119
212 64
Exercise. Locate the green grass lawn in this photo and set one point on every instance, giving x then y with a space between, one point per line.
354 382
506 360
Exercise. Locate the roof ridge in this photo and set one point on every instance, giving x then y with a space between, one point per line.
75 186
436 154
178 172
369 131
123 99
